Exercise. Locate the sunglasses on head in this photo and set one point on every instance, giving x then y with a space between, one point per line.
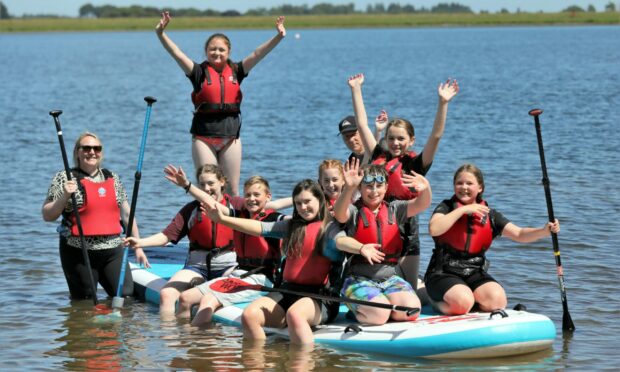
88 148
373 178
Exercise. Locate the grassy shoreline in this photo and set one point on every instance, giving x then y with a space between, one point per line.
311 21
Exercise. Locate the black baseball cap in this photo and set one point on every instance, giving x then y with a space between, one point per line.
347 125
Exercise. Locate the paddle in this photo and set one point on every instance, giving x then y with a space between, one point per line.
567 322
93 286
232 285
118 300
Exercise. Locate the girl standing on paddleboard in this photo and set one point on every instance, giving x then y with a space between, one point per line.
399 160
217 97
102 203
463 228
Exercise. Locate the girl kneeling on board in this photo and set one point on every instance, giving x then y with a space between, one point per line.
375 241
463 228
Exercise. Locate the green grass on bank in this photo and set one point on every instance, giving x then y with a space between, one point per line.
310 21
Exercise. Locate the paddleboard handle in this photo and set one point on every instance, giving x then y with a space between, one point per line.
498 312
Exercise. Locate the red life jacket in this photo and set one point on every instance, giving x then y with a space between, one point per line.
470 234
395 187
256 251
381 229
203 234
308 268
219 92
100 214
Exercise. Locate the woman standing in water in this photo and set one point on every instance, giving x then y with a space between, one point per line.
217 98
102 203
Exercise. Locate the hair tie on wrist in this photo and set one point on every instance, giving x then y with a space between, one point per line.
187 187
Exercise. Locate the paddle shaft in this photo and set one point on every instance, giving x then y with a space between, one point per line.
408 310
134 199
93 286
567 322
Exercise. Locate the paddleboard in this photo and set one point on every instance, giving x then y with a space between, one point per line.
433 336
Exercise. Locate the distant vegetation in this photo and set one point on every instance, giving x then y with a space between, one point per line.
137 11
108 11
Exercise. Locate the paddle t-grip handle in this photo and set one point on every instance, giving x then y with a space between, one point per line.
535 112
150 100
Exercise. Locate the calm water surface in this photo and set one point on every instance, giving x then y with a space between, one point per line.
293 101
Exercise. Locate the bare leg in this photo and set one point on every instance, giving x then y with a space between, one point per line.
490 296
458 300
405 298
263 311
170 293
373 315
229 159
208 305
202 154
187 300
304 313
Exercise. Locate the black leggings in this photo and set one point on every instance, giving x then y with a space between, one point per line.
105 265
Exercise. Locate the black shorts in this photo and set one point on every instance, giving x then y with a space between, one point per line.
329 310
438 283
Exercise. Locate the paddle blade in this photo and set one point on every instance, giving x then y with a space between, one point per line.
232 285
567 322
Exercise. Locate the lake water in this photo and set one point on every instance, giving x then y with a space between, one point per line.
293 102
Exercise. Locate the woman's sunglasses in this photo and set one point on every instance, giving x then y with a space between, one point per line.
88 148
373 178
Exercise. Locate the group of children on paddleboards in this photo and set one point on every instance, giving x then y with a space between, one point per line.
353 233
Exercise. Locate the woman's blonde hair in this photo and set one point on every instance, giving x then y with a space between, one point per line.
76 148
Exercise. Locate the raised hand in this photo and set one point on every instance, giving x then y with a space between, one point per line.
163 22
356 81
372 253
415 181
381 121
280 26
353 173
176 175
448 90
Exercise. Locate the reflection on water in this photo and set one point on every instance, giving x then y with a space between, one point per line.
86 344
